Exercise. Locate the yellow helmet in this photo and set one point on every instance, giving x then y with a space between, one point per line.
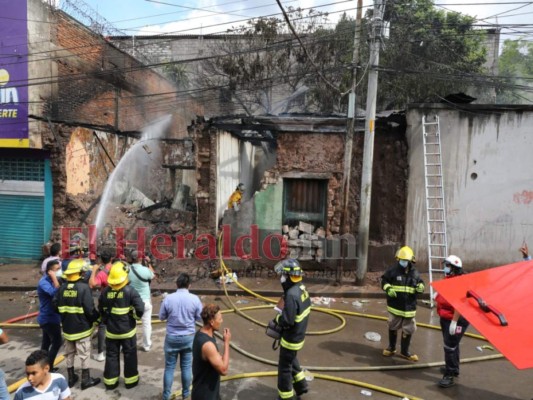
118 273
75 267
405 253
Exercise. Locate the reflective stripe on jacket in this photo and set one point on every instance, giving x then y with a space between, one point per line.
404 281
120 311
295 317
75 304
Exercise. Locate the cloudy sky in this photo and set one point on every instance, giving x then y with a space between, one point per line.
149 17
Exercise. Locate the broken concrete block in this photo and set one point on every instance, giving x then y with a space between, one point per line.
294 243
305 243
305 227
320 232
293 234
285 228
307 236
317 243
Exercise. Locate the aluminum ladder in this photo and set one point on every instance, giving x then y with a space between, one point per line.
435 204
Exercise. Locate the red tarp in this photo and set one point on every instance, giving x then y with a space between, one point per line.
508 291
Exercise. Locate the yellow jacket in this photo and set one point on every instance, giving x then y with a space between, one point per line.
235 197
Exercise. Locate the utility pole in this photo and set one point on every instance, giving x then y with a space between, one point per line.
348 149
368 153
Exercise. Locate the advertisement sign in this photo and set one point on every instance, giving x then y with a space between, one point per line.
14 74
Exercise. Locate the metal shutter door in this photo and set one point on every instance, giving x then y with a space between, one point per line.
21 226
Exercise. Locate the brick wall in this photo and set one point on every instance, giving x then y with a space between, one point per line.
206 172
93 82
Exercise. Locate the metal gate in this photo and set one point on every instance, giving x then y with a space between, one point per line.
25 207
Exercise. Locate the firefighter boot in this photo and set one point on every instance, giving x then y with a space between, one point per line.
391 350
87 381
300 387
406 340
72 377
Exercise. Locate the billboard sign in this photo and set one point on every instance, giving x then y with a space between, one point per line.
14 74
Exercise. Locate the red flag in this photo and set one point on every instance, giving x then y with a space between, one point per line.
498 302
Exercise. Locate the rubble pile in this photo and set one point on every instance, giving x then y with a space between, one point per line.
304 241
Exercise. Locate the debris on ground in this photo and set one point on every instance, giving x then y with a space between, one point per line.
373 336
322 300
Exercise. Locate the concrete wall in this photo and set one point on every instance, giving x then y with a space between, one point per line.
487 166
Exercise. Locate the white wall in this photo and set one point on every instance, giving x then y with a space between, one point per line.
487 217
228 169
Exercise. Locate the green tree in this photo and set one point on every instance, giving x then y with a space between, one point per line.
516 69
430 53
178 74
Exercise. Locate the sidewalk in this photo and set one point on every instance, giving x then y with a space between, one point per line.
25 277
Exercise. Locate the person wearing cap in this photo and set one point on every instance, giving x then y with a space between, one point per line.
140 277
402 284
453 325
75 304
295 306
234 202
75 252
121 307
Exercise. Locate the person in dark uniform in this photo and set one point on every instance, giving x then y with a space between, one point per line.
295 306
207 363
121 307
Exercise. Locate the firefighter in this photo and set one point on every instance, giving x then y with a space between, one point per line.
121 307
453 325
75 304
295 307
235 199
402 283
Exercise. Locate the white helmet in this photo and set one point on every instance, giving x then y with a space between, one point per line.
454 261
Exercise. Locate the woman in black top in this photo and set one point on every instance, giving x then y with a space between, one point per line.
207 363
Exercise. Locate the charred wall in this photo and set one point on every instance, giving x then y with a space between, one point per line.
99 90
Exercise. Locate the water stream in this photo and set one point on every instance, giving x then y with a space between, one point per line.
130 182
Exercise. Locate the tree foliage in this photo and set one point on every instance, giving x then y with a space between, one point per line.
516 67
429 53
264 68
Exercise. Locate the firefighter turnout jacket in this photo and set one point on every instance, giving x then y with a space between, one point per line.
74 302
294 317
120 310
406 284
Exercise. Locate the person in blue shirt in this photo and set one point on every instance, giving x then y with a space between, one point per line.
4 394
181 309
49 319
41 384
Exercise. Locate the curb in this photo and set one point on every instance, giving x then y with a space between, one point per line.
235 292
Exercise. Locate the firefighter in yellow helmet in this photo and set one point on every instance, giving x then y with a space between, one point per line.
75 304
402 283
235 199
293 319
121 307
